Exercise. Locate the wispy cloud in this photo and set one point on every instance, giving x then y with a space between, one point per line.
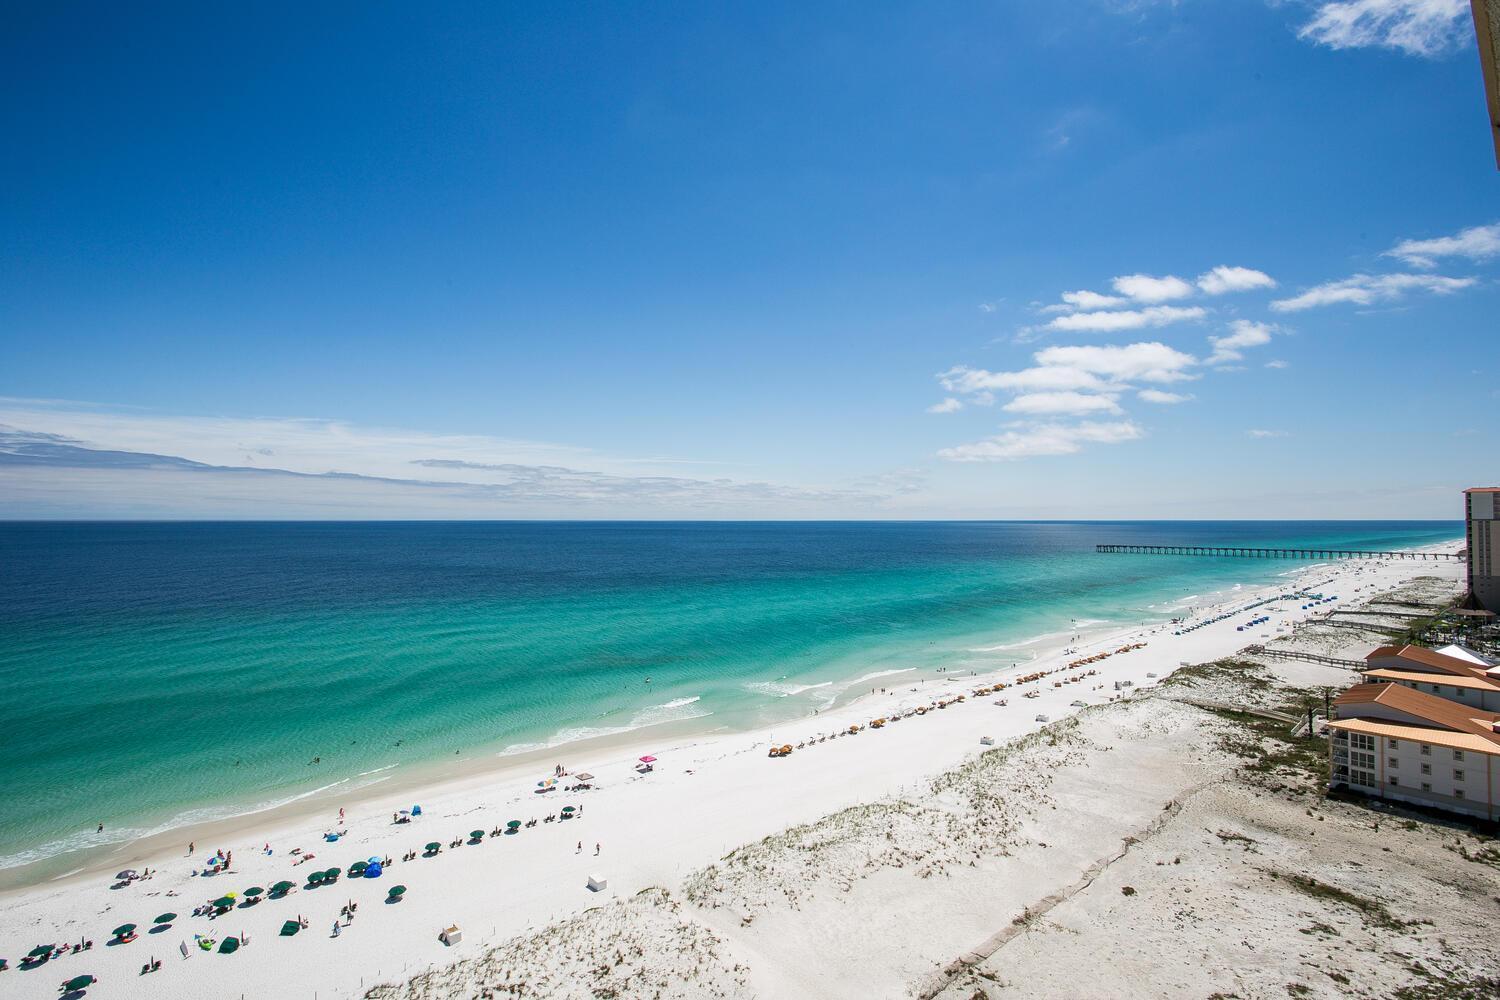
1266 434
1278 363
1146 288
102 462
1125 319
1042 379
1146 362
1477 243
1053 404
1417 27
1368 289
949 405
1246 334
1042 439
1222 280
1162 398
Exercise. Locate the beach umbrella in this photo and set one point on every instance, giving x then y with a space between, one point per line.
123 929
374 871
165 918
314 878
584 776
476 834
434 847
78 983
230 946
40 950
356 868
648 759
281 888
224 902
373 861
514 824
568 809
546 783
127 873
254 890
289 928
397 891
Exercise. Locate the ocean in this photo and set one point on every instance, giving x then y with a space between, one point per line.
157 674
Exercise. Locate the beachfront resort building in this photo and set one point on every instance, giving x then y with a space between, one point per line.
1482 532
1459 675
1393 742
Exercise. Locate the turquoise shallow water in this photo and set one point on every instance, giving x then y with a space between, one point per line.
161 673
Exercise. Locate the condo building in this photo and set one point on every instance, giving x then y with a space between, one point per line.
1464 678
1482 532
1391 741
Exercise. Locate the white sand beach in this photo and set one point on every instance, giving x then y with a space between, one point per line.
674 914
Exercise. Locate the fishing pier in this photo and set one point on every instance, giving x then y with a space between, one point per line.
1242 552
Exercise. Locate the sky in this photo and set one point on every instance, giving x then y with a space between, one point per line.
1105 259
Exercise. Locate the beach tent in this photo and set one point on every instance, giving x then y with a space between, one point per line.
416 810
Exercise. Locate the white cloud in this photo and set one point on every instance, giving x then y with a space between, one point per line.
1086 300
1147 362
1476 243
1416 27
1246 334
1266 434
1276 364
1054 378
949 405
1042 439
1366 289
1128 319
1145 288
1057 403
1163 398
988 307
1222 280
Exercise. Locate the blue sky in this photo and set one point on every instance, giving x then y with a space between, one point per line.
792 260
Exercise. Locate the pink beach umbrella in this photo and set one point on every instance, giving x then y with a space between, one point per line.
648 759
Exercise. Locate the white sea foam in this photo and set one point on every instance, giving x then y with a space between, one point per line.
676 710
376 770
781 689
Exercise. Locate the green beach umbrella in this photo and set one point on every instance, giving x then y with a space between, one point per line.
289 928
282 887
123 930
568 809
40 950
476 834
224 902
514 824
229 946
165 918
254 890
358 867
78 983
434 847
397 891
332 874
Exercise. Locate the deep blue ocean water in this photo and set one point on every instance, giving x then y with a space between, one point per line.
156 673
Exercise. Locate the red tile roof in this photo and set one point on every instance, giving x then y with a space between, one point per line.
1430 709
1430 658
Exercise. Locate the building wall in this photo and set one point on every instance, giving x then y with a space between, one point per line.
1483 539
1394 769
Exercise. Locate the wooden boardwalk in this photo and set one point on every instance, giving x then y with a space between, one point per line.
1243 552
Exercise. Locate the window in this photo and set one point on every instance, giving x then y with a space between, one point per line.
1426 786
1426 768
1365 778
1426 750
1362 741
1458 774
1364 760
1392 762
1458 755
1393 744
1458 793
1435 688
1392 780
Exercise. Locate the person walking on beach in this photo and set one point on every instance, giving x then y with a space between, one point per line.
191 846
580 848
336 930
596 850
